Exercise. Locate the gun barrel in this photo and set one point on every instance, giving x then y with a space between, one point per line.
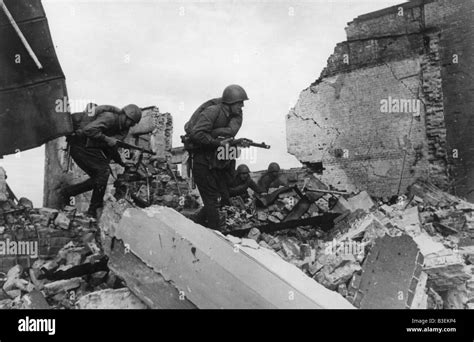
237 142
262 145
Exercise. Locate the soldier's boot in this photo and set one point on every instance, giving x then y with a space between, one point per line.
73 190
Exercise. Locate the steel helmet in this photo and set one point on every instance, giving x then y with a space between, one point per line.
273 167
234 93
243 169
133 112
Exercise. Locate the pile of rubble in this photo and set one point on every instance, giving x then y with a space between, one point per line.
414 251
152 181
53 259
424 238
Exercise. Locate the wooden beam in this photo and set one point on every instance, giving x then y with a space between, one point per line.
20 35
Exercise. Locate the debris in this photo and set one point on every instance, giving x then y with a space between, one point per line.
361 201
250 243
433 196
434 300
456 298
420 298
290 247
407 220
14 282
444 229
273 219
357 228
48 214
446 270
62 221
62 286
3 185
110 299
262 215
428 245
25 203
299 209
305 251
34 300
340 275
390 274
254 234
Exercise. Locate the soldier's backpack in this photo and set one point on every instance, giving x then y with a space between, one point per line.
82 119
188 127
192 121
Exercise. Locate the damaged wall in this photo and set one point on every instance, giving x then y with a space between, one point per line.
389 108
154 132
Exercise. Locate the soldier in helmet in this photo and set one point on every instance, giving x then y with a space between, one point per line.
212 122
93 146
272 178
242 182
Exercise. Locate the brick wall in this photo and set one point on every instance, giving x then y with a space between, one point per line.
455 20
402 52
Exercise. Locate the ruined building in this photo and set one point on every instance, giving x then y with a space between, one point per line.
394 103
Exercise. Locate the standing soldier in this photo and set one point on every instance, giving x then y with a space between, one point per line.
213 121
94 144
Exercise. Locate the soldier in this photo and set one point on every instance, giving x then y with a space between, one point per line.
242 182
93 146
208 125
272 178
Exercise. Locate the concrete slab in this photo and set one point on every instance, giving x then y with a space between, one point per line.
390 274
212 272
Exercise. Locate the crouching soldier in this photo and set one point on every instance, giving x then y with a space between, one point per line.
242 182
94 144
272 178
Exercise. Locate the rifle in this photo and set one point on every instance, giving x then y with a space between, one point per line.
133 147
245 141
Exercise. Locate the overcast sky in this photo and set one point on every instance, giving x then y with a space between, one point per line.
177 54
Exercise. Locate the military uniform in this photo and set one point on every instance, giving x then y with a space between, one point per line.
212 176
267 182
90 151
239 187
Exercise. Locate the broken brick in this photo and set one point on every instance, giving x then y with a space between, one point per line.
254 234
62 221
62 286
110 299
35 301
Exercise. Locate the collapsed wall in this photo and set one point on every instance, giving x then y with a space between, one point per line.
392 105
154 132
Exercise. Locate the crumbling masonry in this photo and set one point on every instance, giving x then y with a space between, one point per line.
361 114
